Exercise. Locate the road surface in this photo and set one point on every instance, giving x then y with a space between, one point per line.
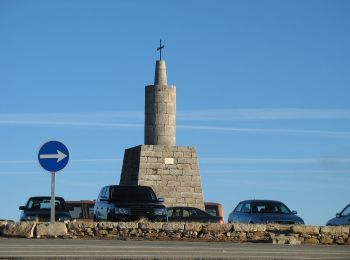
116 249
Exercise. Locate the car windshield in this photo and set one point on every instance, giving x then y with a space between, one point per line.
270 207
44 203
132 194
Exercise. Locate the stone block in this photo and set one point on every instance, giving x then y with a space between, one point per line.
19 229
219 228
127 225
193 226
335 230
151 226
301 229
248 227
51 229
173 226
80 226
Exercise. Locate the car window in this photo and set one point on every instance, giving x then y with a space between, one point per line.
212 210
43 203
270 207
346 211
91 210
189 213
132 194
239 207
246 207
76 212
201 213
170 212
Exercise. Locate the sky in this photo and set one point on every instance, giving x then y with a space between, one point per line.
263 91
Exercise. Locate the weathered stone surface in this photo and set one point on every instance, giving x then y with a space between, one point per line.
248 227
301 229
219 228
282 239
311 240
179 183
81 226
151 226
108 225
173 226
51 229
19 229
338 230
127 225
326 240
196 227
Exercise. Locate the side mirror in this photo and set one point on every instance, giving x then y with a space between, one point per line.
294 212
161 199
22 208
338 215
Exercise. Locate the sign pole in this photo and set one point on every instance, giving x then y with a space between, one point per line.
53 187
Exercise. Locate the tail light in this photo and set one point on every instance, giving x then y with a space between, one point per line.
221 221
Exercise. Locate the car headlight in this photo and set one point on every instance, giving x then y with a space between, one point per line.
122 211
161 211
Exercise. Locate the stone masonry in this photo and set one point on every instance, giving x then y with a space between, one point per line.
172 172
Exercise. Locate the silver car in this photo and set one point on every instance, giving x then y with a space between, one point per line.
342 218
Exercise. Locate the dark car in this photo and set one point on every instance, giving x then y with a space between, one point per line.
81 209
190 214
263 212
342 218
39 209
128 203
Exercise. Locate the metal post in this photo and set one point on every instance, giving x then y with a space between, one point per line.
53 187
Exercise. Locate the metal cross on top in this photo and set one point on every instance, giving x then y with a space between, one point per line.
160 49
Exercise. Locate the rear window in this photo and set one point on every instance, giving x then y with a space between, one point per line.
44 203
132 194
212 210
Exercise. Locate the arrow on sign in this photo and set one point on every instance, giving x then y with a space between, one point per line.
59 156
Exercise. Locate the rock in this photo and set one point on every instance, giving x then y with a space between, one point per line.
339 240
219 228
282 240
173 226
103 232
19 229
326 240
127 225
335 231
108 225
151 226
51 229
193 226
78 226
248 227
311 240
309 230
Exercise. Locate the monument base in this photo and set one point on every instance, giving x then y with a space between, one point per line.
172 172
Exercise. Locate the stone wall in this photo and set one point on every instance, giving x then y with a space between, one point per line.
172 172
276 234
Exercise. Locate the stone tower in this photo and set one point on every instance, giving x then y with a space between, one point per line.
160 110
172 171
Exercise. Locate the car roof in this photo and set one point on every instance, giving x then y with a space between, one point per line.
128 186
45 197
261 201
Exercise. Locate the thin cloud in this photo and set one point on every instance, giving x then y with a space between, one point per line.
263 114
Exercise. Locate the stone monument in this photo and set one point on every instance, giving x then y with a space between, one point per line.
172 171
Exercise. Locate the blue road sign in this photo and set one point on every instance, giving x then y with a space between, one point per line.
53 156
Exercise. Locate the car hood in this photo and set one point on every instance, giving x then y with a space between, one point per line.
278 218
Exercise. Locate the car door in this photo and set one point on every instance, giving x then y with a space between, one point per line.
244 215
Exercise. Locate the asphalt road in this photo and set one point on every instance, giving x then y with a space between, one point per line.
117 249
